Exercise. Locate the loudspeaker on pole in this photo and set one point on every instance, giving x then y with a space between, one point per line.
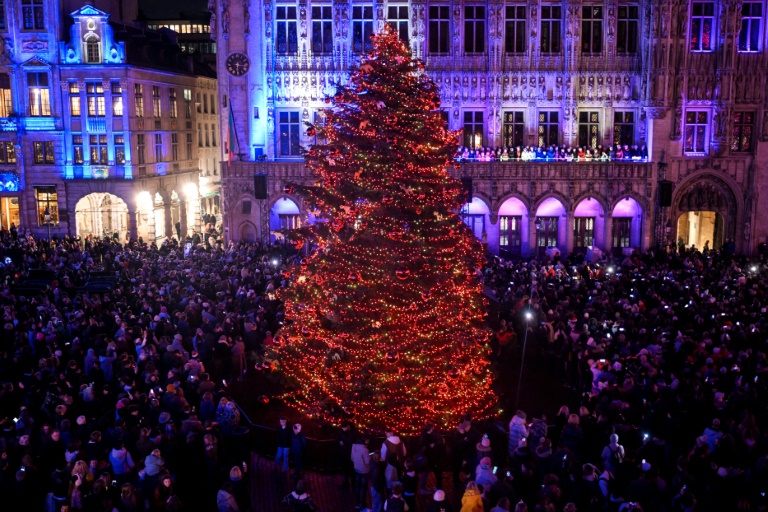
665 193
260 186
466 184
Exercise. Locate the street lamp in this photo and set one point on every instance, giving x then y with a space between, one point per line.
47 218
528 317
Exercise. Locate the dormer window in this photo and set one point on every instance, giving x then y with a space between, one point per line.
92 49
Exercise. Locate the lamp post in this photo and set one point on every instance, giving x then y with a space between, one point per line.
528 316
47 218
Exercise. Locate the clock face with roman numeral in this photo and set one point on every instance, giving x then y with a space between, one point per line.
238 64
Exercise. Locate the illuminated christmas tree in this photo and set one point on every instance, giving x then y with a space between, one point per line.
385 321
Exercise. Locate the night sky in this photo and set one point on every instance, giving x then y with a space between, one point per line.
170 8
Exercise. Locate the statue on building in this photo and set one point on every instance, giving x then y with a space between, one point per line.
627 88
559 88
213 27
225 17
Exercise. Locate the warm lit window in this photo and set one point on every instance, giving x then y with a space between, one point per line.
39 95
119 148
94 92
551 20
322 29
696 124
98 147
627 33
32 15
117 99
549 128
398 17
362 28
138 97
7 153
6 98
439 29
43 152
157 111
473 129
743 127
514 29
47 206
623 128
591 29
74 99
589 129
287 40
751 19
513 129
174 111
77 149
289 127
702 26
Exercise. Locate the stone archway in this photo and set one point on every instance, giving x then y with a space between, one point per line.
711 195
101 214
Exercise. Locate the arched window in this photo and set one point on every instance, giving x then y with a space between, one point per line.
92 50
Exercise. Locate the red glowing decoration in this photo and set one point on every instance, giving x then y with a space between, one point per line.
311 131
289 189
400 332
298 244
402 274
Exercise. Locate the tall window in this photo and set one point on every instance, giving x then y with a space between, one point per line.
513 129
549 128
138 100
199 135
322 29
7 153
47 206
583 232
119 148
623 128
74 99
289 127
591 29
187 104
117 99
205 103
743 126
43 152
174 109
156 109
6 98
174 147
514 29
473 129
287 39
751 18
439 29
397 16
94 92
213 135
695 131
362 28
207 137
141 149
39 95
2 15
32 15
474 29
189 146
510 233
77 149
626 29
589 129
213 104
158 147
551 20
92 50
98 147
702 26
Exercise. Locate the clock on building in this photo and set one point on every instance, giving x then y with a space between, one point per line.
238 64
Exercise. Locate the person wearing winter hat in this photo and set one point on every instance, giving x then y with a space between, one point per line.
484 473
482 449
439 503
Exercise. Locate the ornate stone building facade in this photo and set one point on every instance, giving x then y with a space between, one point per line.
685 78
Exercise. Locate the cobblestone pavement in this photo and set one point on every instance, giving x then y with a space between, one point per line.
268 489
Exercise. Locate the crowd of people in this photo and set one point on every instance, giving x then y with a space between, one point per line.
600 153
117 399
665 353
